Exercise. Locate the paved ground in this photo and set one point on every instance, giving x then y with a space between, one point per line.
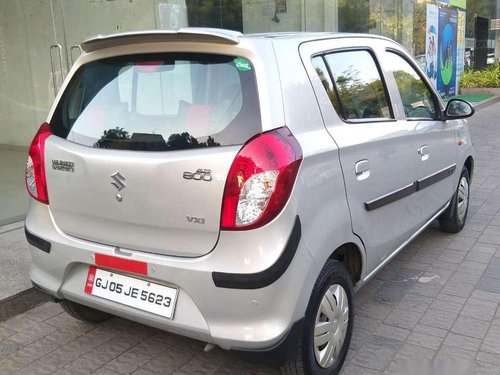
433 310
15 259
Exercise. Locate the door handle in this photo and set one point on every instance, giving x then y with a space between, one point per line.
423 151
362 169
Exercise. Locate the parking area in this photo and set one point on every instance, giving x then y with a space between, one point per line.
434 309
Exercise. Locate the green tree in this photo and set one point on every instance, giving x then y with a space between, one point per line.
111 136
396 19
186 141
354 16
419 28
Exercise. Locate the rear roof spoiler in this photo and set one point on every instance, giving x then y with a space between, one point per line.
188 34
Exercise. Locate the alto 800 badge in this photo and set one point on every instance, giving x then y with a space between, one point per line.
199 175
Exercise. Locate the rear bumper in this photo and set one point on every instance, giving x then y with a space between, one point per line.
270 274
37 242
280 353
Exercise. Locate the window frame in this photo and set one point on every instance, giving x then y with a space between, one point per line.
435 100
382 78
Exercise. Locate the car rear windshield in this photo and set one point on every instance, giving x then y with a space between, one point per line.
160 102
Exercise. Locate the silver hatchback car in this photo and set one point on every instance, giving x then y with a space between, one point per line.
238 189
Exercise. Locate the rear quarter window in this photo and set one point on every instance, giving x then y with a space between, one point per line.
160 102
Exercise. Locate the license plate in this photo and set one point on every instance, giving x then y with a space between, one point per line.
143 295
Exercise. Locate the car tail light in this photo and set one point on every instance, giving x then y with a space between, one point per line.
260 180
35 167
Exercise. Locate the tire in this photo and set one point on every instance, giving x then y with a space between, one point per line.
453 219
332 280
87 314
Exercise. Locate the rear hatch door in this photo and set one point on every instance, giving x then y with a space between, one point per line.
142 148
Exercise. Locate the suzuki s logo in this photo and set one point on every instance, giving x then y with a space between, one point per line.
118 181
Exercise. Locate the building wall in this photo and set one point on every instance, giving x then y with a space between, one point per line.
24 77
258 16
301 15
27 30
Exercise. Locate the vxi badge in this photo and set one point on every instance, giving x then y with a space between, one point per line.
195 219
199 175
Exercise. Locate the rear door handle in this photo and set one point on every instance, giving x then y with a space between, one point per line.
423 151
362 169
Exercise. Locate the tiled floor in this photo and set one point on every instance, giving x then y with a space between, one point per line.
432 310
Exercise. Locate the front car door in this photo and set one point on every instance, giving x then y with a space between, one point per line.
434 141
376 149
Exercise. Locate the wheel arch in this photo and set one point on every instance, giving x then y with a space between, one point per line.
351 256
469 164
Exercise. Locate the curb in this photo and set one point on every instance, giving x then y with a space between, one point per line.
10 227
21 302
12 220
487 102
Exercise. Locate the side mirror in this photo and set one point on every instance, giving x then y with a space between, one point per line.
457 109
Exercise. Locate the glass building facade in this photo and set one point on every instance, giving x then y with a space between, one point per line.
39 40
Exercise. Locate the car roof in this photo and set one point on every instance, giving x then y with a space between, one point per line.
210 35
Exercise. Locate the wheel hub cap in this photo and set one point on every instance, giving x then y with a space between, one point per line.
462 199
330 329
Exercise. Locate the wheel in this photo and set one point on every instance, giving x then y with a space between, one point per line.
453 219
87 314
328 325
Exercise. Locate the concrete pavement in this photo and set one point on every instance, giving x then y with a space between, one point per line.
434 309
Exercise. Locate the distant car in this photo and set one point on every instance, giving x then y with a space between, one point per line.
490 59
421 61
238 189
467 59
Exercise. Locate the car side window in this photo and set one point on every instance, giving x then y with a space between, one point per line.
417 98
326 80
354 84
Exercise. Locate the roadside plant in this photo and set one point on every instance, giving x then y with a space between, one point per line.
488 78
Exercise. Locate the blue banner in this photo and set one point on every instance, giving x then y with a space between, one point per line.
447 52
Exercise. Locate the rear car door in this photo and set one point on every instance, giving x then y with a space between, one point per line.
375 153
434 146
